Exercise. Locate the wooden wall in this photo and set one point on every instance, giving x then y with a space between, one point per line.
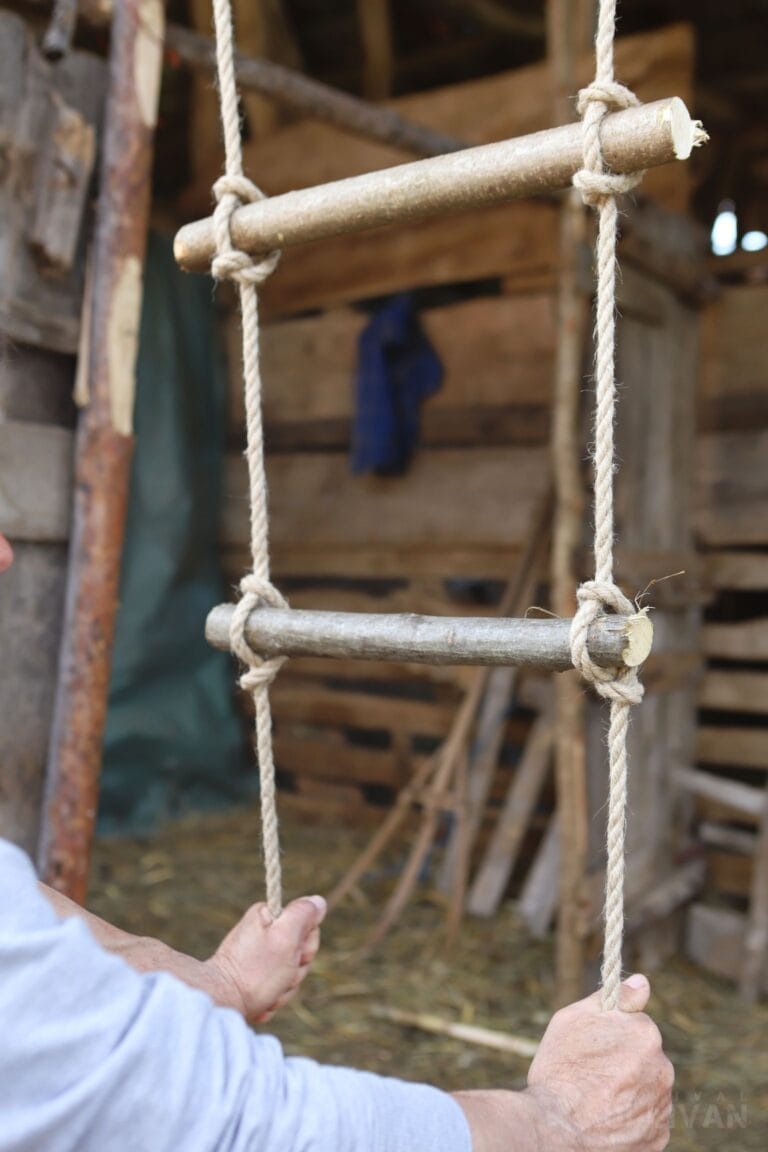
727 931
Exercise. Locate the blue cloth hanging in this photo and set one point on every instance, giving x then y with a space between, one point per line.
397 370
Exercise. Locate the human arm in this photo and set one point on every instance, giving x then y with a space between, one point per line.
255 970
97 1056
600 1081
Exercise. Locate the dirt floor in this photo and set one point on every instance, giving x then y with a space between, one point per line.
191 881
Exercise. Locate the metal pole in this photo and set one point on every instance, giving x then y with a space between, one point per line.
427 639
633 139
103 449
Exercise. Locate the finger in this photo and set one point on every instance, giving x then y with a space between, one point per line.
310 947
302 916
635 994
6 554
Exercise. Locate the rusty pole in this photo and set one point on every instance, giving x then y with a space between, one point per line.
103 448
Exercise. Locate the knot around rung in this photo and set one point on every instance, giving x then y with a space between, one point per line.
231 263
260 672
597 597
593 181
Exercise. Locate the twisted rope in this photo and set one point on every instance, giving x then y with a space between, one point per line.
621 686
231 191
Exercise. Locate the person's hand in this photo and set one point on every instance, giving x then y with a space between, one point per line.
6 554
263 961
599 1081
603 1076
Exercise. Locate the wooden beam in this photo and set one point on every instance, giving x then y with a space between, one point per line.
375 23
567 38
480 111
741 798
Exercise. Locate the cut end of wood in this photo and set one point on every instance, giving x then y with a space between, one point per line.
687 133
181 249
638 631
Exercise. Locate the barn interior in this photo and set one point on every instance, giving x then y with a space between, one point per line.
427 407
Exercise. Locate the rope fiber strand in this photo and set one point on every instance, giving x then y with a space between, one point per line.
621 686
231 191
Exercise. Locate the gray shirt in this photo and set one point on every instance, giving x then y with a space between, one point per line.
97 1058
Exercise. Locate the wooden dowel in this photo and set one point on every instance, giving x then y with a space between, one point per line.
633 139
420 639
466 1033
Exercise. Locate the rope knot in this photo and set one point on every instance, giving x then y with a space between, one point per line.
254 591
593 181
231 263
620 684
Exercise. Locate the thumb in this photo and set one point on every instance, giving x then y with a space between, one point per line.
635 994
304 914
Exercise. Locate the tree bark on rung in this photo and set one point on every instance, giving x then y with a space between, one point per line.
425 639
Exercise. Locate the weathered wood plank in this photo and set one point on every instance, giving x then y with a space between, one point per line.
733 383
539 896
735 692
488 887
36 463
738 797
448 498
732 490
746 640
741 747
294 703
738 571
714 938
495 352
754 966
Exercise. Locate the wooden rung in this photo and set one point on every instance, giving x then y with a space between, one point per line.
633 139
427 639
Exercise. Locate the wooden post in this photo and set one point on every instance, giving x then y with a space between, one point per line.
567 36
375 21
104 445
49 120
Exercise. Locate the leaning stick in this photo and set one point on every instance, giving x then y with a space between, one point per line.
633 139
467 1033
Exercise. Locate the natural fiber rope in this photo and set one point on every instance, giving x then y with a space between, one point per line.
599 188
232 190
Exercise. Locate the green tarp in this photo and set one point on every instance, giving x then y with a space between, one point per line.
173 739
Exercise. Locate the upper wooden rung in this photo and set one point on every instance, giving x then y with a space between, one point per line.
633 139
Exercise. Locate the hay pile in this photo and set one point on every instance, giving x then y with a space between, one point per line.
191 882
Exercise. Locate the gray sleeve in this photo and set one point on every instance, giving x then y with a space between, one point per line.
95 1056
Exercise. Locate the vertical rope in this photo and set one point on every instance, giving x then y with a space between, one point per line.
231 191
599 188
